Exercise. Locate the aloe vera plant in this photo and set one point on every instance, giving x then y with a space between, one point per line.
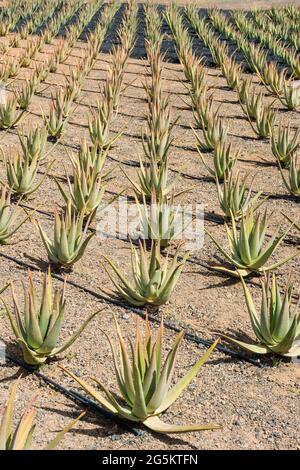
37 327
91 157
41 72
153 278
277 328
54 123
264 122
290 96
21 173
204 112
153 176
234 198
59 113
34 143
253 105
25 59
157 141
232 72
161 220
214 134
70 238
284 145
247 252
9 216
243 88
224 161
13 66
145 381
9 115
292 183
21 438
99 126
274 79
87 190
25 94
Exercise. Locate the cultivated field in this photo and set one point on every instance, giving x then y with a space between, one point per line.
242 99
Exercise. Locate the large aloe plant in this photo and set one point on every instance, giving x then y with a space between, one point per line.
277 328
70 237
153 278
38 331
145 382
247 252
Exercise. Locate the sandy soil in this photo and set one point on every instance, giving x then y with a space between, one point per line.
258 408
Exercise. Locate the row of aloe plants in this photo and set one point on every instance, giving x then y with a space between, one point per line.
247 253
145 381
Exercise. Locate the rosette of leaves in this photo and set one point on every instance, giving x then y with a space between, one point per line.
277 327
144 381
247 251
154 279
37 327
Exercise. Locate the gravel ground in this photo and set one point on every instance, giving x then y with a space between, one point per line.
258 408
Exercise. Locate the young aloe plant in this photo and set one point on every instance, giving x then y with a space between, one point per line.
34 143
153 279
204 112
37 330
232 72
21 438
291 96
92 157
293 182
243 87
87 190
274 79
25 94
13 67
145 381
247 253
99 126
21 172
197 85
55 124
41 72
253 105
284 145
277 328
264 122
25 59
214 134
70 238
8 217
161 220
154 176
234 198
224 161
158 140
9 115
